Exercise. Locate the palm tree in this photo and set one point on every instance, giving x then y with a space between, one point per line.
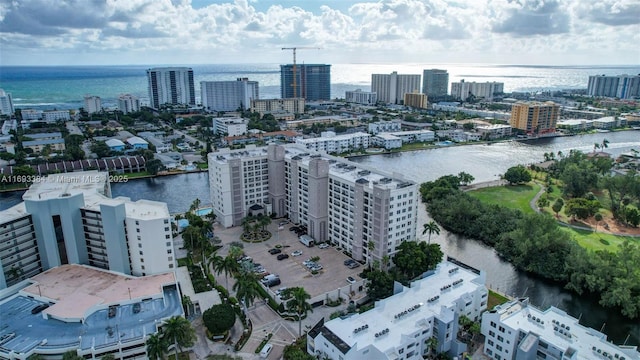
385 262
228 265
179 329
605 144
299 304
596 146
430 227
194 205
371 246
246 287
156 347
186 303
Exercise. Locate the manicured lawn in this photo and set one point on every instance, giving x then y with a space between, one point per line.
515 197
594 241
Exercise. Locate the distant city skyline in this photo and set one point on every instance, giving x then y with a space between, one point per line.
535 32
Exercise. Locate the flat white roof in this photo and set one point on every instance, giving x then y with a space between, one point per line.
114 142
136 140
560 329
417 298
66 184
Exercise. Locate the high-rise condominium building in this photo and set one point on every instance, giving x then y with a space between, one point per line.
92 104
535 118
400 326
6 103
620 86
516 330
128 103
228 95
435 82
70 218
313 81
291 106
392 87
463 90
348 204
171 85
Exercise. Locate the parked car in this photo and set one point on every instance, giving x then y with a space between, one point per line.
353 265
283 256
323 246
266 350
351 280
39 308
348 261
275 251
318 267
296 253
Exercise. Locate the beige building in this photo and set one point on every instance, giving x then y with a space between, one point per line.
289 105
535 118
415 100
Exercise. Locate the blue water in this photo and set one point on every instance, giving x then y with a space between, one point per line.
63 87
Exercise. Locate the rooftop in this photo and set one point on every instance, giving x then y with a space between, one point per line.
74 288
560 329
422 301
136 140
43 142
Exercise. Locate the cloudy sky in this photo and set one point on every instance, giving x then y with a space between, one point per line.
554 32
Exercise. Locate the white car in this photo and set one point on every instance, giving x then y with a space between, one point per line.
296 253
351 280
323 246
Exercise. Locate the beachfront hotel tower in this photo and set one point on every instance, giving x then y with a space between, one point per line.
391 88
228 95
171 86
435 82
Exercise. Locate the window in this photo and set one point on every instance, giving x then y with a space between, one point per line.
168 243
493 324
170 258
167 237
166 221
490 342
170 266
499 348
491 333
141 260
166 229
137 230
139 245
169 251
137 222
501 329
500 338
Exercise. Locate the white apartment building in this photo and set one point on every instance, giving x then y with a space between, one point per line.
229 126
278 106
494 131
228 95
462 90
339 201
128 103
387 141
384 126
8 125
92 104
516 330
400 326
51 116
6 103
331 143
391 88
70 218
361 97
31 114
171 85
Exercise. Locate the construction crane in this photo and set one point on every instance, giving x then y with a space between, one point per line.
295 84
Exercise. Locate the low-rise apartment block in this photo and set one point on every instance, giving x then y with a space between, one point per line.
332 143
494 131
339 201
415 100
71 218
384 126
516 330
400 326
229 126
41 140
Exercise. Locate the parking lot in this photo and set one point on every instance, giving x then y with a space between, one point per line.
291 271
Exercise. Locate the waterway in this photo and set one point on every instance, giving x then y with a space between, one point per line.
485 163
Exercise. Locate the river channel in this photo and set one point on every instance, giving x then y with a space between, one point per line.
485 163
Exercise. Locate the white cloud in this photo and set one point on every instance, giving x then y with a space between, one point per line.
388 30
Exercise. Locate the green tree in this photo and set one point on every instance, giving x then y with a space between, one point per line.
157 346
219 318
380 285
228 265
101 149
465 178
180 331
247 287
582 208
597 217
299 304
430 228
108 357
517 175
154 166
557 206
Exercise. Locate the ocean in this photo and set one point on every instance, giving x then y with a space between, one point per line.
64 87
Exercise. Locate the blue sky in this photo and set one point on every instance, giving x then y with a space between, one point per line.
544 32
